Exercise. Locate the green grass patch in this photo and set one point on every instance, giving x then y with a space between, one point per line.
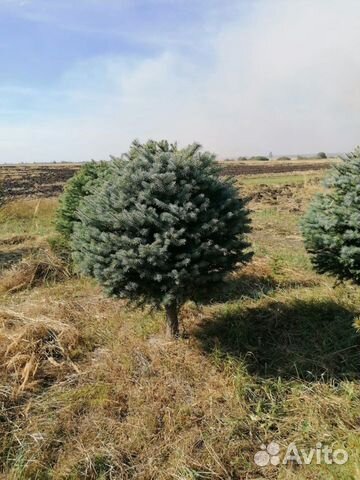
286 179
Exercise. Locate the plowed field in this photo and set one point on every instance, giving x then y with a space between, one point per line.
48 180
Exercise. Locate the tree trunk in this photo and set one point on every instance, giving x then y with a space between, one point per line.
172 329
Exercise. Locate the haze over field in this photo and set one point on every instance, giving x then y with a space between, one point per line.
82 79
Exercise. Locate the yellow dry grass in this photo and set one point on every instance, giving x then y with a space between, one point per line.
34 270
36 348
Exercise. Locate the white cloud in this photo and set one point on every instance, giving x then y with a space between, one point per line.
285 79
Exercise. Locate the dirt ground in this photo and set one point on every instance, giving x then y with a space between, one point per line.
264 168
47 180
35 180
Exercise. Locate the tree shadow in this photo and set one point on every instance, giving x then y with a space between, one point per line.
313 340
253 286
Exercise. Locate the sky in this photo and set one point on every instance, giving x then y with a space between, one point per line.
82 79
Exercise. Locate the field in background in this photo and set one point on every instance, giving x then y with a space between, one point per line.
271 167
37 180
91 390
47 180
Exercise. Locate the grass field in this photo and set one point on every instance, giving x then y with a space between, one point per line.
90 389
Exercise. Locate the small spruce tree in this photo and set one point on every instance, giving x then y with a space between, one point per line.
167 228
331 227
76 188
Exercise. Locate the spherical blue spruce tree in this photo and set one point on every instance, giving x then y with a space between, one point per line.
166 228
331 227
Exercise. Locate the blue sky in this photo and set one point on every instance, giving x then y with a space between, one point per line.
80 80
42 42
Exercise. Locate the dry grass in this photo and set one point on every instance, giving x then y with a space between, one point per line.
34 351
33 216
290 196
92 390
139 407
37 269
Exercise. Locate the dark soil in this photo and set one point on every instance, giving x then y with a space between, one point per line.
35 181
243 169
48 180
